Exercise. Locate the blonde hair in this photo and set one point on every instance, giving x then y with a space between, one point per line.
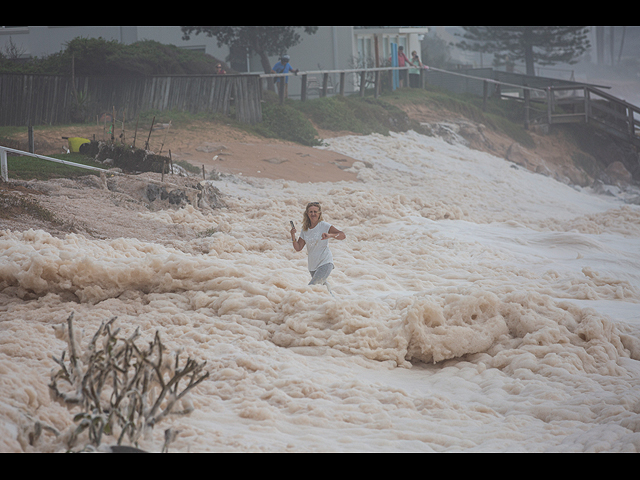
306 223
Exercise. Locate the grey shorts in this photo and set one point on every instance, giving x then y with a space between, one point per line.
319 276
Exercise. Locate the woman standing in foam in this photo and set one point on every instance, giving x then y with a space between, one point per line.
315 235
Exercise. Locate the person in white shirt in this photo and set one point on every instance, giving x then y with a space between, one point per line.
316 234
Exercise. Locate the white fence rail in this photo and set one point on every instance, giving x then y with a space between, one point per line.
193 193
5 169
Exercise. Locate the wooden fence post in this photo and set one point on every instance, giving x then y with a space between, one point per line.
279 84
303 91
485 93
325 84
32 147
4 169
527 95
587 105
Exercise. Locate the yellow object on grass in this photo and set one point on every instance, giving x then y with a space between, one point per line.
75 142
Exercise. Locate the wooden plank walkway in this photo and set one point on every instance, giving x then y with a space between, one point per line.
593 106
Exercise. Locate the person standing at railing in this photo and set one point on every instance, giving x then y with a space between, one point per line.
403 60
414 73
283 66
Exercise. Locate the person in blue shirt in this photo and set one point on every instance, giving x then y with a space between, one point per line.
283 66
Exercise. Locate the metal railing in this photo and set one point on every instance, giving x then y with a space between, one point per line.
4 168
362 72
376 72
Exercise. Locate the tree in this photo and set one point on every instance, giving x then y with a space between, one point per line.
261 40
531 44
97 56
435 51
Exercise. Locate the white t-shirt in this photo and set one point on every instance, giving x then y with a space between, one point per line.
317 249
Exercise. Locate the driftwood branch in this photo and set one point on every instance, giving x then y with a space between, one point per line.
123 390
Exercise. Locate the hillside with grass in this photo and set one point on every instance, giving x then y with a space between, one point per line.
574 155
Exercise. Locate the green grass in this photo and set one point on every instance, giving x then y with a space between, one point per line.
364 115
29 168
294 119
188 166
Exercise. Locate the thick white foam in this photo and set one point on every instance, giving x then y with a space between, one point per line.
478 307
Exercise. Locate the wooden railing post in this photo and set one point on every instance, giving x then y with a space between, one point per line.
527 103
281 87
303 90
4 169
343 77
587 105
485 93
325 84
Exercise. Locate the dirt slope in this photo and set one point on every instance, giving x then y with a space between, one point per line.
218 147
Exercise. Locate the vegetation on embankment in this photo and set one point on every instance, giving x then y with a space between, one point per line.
502 116
297 121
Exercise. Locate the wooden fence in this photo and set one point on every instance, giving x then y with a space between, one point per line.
53 99
47 99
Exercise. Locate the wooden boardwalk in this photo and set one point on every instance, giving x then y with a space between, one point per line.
595 107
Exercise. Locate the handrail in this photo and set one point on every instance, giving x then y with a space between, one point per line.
621 123
5 171
489 80
316 72
614 99
57 160
384 69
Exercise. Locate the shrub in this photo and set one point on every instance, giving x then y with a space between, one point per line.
121 389
287 123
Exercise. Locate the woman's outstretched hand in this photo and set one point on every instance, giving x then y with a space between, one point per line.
339 236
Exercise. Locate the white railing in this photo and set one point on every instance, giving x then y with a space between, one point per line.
5 169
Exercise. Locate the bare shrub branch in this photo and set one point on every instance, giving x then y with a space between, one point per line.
121 389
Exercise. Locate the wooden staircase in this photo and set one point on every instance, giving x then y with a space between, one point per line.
587 104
